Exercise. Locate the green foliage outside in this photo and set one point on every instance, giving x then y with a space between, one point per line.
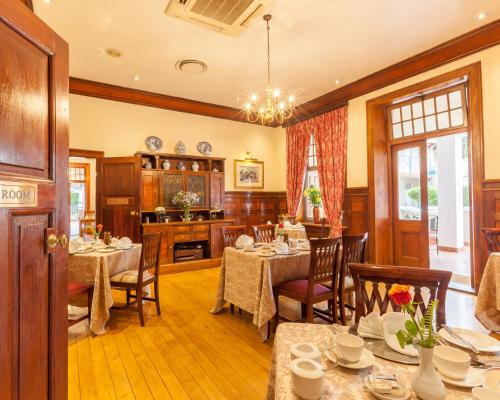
74 200
414 194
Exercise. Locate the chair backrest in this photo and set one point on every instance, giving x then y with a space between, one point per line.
263 233
89 214
353 251
231 233
84 222
324 265
150 254
382 277
493 239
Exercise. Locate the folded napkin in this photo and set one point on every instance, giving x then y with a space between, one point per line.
243 240
288 224
281 248
124 243
371 326
391 323
298 225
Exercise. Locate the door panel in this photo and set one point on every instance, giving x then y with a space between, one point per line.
411 239
33 162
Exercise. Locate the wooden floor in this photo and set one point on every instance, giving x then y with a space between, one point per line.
187 353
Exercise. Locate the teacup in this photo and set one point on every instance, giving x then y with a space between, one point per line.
452 362
481 393
349 346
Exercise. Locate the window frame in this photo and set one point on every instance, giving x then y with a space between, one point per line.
85 181
309 168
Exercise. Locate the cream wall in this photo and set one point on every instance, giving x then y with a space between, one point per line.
490 65
119 129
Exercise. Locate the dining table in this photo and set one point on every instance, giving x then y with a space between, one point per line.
96 267
488 297
246 280
340 382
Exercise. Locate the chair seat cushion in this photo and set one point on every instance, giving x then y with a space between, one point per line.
348 283
130 276
77 287
300 287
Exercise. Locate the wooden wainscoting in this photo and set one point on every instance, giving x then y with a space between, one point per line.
491 189
253 208
356 210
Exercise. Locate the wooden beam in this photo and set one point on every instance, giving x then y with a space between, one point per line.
28 3
134 96
469 43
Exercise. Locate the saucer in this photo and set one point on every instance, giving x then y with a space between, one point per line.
387 396
492 377
481 341
367 360
474 378
266 254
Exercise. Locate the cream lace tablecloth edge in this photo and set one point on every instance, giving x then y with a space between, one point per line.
488 297
341 383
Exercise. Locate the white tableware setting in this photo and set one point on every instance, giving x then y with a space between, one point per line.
481 393
242 241
308 378
386 386
303 245
250 248
79 246
454 367
348 351
282 248
481 342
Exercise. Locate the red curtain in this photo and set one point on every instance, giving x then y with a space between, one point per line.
297 144
330 132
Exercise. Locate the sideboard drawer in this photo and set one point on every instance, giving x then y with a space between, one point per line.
182 228
201 228
183 237
200 236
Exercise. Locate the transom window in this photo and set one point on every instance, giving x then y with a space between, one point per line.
430 113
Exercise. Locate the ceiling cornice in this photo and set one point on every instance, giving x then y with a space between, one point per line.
28 3
128 95
469 43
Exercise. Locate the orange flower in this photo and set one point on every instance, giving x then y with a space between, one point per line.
99 227
400 294
89 230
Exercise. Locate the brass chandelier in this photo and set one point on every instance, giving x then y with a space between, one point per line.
274 105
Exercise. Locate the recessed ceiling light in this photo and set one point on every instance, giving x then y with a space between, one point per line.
481 16
136 77
337 81
47 1
191 66
113 53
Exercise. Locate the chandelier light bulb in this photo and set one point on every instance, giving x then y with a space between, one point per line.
248 106
276 93
291 99
253 97
282 106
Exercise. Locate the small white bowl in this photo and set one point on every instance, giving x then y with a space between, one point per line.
308 378
481 393
451 362
305 350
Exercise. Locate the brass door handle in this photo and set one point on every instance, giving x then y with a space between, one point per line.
53 241
134 213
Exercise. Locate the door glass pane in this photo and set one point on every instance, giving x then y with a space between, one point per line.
406 112
77 206
197 184
396 131
441 103
429 106
417 110
407 128
409 200
456 117
455 99
419 125
430 123
443 121
395 115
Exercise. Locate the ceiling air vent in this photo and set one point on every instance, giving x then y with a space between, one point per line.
230 17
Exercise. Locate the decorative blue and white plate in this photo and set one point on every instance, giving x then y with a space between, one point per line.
153 143
204 148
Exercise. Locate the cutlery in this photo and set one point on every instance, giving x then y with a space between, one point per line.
462 340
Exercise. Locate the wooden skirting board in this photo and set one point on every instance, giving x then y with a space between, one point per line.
190 266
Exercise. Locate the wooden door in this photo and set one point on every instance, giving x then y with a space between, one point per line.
149 190
121 177
197 182
411 232
216 240
217 192
34 204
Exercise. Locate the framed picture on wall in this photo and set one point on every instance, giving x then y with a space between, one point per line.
248 174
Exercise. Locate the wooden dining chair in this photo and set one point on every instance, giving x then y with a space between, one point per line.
231 233
353 251
136 280
375 296
493 239
263 233
323 267
77 289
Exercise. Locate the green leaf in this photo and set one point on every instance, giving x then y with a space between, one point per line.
402 339
411 327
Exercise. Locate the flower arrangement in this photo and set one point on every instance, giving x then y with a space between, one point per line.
313 194
185 200
280 230
419 330
95 233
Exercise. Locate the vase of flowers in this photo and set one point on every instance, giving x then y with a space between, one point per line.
313 194
426 382
186 200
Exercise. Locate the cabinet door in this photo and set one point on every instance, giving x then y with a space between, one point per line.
170 183
216 242
217 192
149 190
197 182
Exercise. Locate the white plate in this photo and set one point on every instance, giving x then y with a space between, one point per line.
106 250
474 378
481 341
366 361
266 254
288 253
492 378
386 396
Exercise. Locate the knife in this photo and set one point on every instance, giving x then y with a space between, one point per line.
462 340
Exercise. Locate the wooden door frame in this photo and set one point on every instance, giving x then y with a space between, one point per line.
98 156
379 167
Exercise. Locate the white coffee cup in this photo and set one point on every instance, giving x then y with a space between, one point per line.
452 362
349 346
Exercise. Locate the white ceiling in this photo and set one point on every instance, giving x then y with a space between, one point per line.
313 43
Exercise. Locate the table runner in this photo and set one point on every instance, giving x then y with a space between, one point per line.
488 297
341 383
246 280
96 268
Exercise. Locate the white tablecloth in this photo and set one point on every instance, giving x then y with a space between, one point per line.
96 268
488 297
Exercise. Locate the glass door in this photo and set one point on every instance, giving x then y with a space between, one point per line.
410 204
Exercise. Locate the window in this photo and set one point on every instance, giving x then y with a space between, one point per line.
429 113
79 181
312 178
